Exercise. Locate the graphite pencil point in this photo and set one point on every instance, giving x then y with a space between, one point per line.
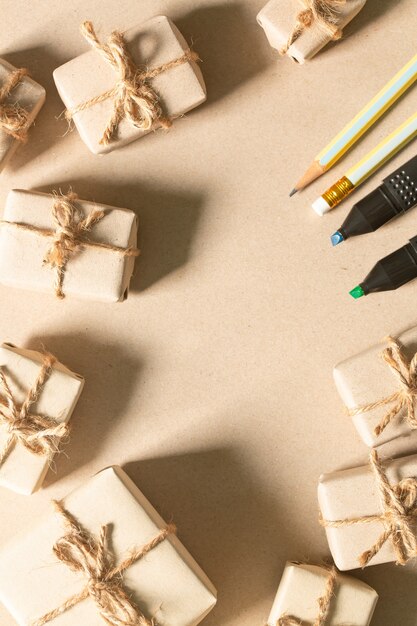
293 192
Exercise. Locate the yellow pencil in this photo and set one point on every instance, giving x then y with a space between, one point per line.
360 124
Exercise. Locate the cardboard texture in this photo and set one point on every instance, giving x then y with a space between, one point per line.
168 585
303 584
30 96
93 273
22 470
278 18
353 493
365 378
151 44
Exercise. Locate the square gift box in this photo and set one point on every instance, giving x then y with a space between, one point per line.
369 512
369 379
278 18
151 45
26 95
21 469
302 585
92 271
166 584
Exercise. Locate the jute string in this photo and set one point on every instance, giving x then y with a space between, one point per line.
69 236
324 603
324 13
13 118
405 371
134 97
82 552
399 516
38 433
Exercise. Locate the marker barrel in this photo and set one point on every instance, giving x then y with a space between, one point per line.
393 271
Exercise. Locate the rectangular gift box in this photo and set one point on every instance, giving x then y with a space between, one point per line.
30 96
364 379
22 470
303 584
354 493
279 17
167 584
151 44
93 273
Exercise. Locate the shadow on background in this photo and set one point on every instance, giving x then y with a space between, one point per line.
168 222
226 521
111 372
397 604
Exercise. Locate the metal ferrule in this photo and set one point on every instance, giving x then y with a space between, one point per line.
338 192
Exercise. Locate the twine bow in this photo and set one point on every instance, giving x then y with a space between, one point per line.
324 13
69 236
134 97
399 516
14 119
83 552
38 433
405 371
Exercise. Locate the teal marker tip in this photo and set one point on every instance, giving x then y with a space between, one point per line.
357 292
336 238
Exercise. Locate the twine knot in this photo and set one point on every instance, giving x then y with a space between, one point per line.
403 400
82 552
324 13
14 119
399 516
39 434
134 97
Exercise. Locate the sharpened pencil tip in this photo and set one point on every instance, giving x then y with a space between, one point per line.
293 192
337 238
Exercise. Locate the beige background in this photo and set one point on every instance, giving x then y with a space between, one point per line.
213 383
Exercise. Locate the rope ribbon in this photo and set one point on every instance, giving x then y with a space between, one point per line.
399 516
134 97
69 236
82 552
14 119
324 13
324 603
38 433
405 371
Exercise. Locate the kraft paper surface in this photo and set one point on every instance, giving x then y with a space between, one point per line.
212 384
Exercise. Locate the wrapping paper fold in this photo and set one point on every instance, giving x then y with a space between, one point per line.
30 96
366 378
167 584
22 470
151 44
279 17
354 493
93 273
303 584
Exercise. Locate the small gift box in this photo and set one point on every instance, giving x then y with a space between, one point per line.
134 83
308 593
21 99
378 387
301 28
104 557
370 512
37 397
70 246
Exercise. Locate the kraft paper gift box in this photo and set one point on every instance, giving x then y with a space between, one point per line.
151 44
365 379
354 514
278 18
352 602
94 273
28 95
167 584
22 470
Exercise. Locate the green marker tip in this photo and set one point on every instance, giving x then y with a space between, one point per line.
357 292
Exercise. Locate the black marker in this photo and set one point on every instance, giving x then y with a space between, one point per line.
391 272
396 195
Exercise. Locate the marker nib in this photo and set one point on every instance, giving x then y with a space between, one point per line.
336 238
293 192
357 292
